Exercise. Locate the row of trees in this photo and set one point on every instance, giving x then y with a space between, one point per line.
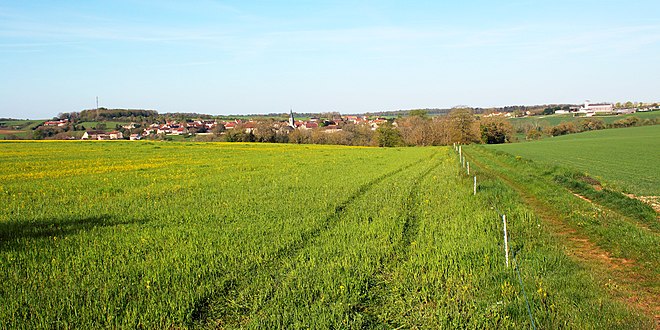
101 114
418 129
586 124
629 104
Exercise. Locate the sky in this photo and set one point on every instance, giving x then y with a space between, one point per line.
249 57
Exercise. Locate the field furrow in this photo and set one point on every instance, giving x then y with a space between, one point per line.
230 305
274 287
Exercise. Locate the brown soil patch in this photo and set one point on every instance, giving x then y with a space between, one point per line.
582 198
590 180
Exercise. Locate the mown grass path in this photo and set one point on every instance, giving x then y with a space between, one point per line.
597 239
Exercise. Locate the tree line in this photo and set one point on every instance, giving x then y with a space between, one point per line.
535 131
417 129
103 114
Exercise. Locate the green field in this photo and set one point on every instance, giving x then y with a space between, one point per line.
553 120
20 123
624 158
615 237
109 125
228 235
20 128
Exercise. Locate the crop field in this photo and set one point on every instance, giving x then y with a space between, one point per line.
226 235
625 158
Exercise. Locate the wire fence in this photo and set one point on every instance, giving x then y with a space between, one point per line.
466 165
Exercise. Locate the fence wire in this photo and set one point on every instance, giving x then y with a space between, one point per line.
462 160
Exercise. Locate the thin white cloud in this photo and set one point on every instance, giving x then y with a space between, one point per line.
183 64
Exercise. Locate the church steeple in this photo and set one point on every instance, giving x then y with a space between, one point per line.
292 121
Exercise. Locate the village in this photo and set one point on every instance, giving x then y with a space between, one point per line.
212 127
528 122
334 124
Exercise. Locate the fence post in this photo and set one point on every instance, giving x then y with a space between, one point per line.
468 168
475 186
506 241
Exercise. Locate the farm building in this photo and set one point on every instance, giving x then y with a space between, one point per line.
100 135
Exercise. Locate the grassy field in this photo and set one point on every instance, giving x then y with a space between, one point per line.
24 128
109 125
19 128
207 235
21 124
624 158
556 119
615 237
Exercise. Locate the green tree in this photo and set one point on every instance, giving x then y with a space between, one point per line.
590 124
388 136
534 134
418 113
495 130
567 127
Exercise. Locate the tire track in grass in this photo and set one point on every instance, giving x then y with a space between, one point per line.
223 304
409 232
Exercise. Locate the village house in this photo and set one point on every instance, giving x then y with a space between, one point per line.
249 127
164 130
92 135
309 125
332 129
178 131
58 123
116 135
375 123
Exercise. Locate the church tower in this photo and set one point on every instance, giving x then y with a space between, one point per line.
292 121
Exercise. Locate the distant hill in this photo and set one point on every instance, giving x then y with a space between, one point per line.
114 114
104 114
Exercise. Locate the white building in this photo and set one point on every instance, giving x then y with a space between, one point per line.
596 107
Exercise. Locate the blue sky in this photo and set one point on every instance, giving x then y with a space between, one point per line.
240 57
